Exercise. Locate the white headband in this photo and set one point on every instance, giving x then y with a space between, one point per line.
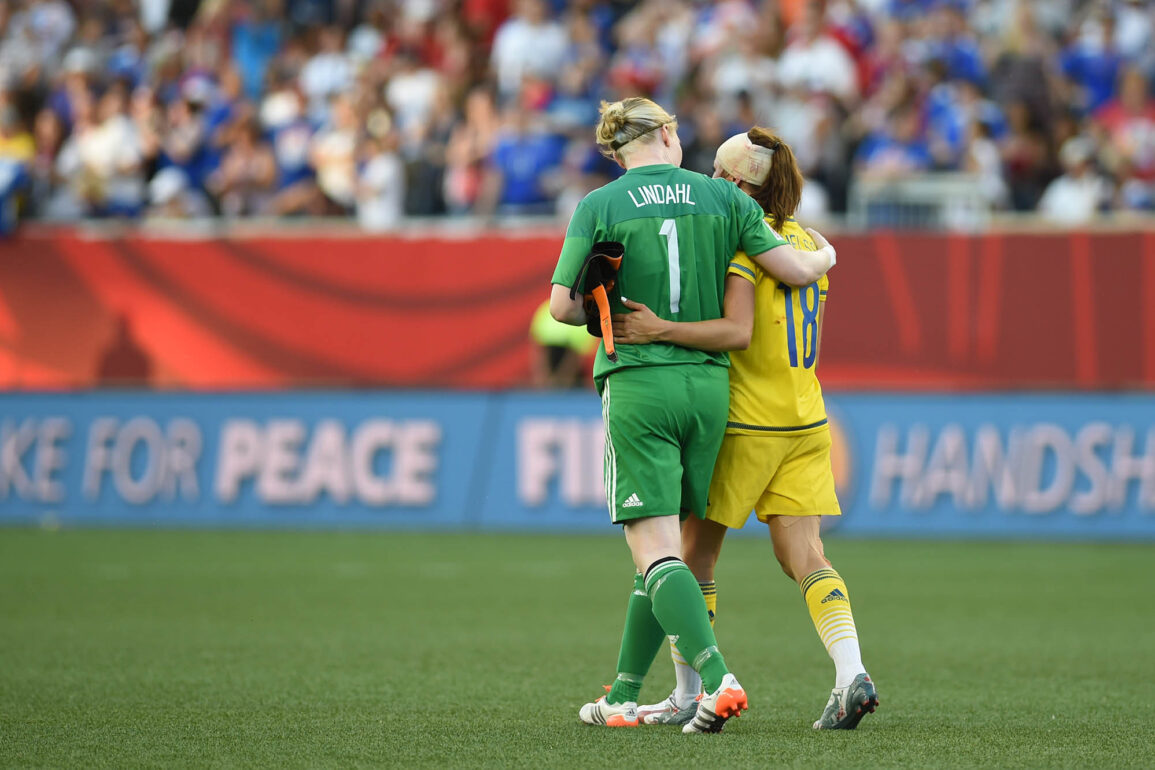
741 158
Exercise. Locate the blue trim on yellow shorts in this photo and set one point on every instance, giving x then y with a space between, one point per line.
769 429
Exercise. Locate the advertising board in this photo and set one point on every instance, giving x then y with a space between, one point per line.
1020 465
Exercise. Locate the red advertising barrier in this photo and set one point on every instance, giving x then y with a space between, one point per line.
924 311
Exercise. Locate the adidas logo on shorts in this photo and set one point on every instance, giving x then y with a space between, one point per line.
633 502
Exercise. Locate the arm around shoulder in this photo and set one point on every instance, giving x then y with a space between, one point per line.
796 267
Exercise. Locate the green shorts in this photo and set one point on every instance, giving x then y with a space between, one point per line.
664 425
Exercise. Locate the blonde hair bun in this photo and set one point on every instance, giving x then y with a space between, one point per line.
623 122
612 122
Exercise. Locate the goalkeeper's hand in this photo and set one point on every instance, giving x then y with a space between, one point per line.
638 327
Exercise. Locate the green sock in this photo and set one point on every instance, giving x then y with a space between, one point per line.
641 640
680 608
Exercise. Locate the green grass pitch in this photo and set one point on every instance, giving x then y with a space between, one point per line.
205 649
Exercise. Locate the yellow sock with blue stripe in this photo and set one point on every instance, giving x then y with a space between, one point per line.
710 594
829 604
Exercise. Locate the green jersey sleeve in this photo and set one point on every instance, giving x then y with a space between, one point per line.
755 235
579 237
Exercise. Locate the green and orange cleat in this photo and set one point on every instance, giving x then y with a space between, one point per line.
729 700
609 714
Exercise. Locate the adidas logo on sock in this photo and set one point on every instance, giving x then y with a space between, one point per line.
834 596
633 502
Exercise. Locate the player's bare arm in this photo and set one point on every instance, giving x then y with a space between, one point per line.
796 267
568 310
731 332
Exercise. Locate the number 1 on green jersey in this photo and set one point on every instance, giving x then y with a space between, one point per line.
670 230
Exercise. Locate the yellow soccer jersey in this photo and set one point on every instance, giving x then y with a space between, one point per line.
773 387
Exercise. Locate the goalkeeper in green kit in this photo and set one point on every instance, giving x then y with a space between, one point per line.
663 237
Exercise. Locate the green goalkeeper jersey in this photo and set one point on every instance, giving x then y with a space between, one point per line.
680 230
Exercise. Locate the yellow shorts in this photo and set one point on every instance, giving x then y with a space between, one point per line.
772 476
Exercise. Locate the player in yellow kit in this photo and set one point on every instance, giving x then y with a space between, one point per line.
775 457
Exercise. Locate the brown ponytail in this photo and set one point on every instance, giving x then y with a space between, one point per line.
781 193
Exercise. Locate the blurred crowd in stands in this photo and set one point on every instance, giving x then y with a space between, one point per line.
386 109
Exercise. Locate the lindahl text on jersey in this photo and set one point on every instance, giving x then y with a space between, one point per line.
648 194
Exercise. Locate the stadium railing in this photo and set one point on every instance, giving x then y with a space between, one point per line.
940 201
